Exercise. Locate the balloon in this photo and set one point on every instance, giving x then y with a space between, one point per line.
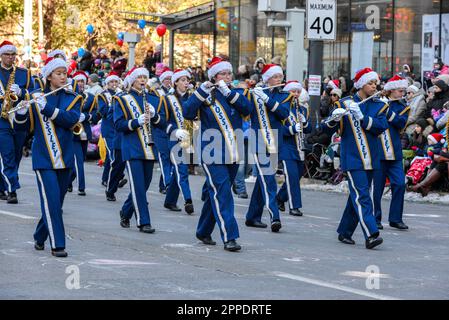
27 49
120 42
90 29
161 30
141 23
81 52
121 35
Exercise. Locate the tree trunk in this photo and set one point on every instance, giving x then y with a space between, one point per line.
49 15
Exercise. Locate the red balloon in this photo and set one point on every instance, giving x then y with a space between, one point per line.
120 42
161 30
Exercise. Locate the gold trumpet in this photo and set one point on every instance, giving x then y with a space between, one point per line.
78 129
10 97
190 126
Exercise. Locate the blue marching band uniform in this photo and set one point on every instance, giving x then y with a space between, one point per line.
12 138
391 165
292 156
136 151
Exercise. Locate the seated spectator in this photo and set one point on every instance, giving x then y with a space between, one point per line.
418 106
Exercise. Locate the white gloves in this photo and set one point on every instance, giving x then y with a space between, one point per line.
182 134
298 127
207 87
41 102
16 89
25 109
302 118
152 111
258 91
355 110
223 88
171 91
143 119
82 117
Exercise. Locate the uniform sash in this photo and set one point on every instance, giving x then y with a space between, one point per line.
51 138
135 111
265 126
387 145
177 110
360 138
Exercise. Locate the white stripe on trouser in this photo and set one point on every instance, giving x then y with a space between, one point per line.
111 163
267 198
172 157
4 175
46 211
217 205
76 170
359 207
162 169
287 180
133 193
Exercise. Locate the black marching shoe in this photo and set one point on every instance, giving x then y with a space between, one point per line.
59 253
81 193
69 188
172 207
243 195
188 207
163 191
124 222
232 245
281 205
206 240
379 225
122 183
12 198
38 246
255 224
345 240
373 241
276 226
3 195
295 212
110 197
146 229
104 183
399 225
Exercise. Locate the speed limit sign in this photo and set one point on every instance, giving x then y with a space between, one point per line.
321 19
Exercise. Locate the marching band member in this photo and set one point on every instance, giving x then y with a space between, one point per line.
220 113
81 138
391 155
291 150
360 155
176 132
161 137
52 119
272 107
133 113
15 84
114 166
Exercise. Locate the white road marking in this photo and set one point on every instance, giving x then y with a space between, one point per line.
422 215
360 274
324 284
108 262
17 215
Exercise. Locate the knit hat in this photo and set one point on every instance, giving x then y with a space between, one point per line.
80 75
442 85
136 72
364 76
94 78
54 53
52 64
166 73
7 46
338 92
218 65
435 138
111 77
422 123
334 84
178 74
413 88
270 70
396 82
293 85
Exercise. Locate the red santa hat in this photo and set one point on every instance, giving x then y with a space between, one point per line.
293 85
136 72
7 46
218 65
269 70
364 76
111 77
80 75
396 82
51 64
334 84
53 53
166 73
435 138
178 74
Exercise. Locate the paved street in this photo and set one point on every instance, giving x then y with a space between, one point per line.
303 261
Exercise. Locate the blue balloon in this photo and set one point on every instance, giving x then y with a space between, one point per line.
121 35
90 28
81 52
141 23
27 49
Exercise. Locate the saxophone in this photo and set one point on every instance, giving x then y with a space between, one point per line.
190 126
10 97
